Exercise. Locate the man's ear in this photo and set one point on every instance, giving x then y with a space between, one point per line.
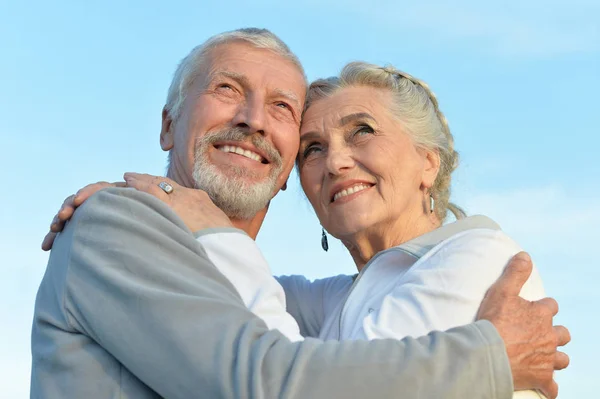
431 168
284 187
166 132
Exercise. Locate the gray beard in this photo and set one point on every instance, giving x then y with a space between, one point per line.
235 190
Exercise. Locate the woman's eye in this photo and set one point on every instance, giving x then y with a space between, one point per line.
364 129
311 149
224 86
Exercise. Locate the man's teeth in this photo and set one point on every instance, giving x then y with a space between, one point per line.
241 151
350 190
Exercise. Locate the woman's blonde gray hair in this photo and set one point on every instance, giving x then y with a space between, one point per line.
416 106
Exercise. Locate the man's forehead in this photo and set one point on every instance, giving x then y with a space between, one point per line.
294 96
247 63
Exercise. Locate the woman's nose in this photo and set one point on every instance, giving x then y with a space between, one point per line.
339 160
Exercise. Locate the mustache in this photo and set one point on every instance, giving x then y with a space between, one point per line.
242 135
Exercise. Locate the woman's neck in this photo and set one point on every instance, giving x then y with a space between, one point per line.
367 243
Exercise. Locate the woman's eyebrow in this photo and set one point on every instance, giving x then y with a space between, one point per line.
353 117
309 136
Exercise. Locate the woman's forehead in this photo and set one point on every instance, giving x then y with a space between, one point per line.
333 110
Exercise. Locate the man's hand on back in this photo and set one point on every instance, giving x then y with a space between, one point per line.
526 327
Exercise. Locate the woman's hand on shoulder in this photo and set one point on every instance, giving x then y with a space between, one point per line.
68 207
192 205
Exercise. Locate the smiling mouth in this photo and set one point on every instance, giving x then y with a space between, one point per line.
240 151
350 190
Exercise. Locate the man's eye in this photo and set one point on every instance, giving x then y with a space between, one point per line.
283 106
224 86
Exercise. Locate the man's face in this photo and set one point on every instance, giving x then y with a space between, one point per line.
237 135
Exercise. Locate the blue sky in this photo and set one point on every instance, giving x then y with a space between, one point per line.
83 84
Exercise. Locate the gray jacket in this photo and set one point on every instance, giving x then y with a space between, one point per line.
131 307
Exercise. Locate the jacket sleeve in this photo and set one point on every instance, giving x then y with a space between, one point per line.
140 285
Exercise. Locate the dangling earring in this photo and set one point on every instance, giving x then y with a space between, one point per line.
324 243
431 203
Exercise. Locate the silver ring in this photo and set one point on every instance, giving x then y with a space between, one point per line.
166 187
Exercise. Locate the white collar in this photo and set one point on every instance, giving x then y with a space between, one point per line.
419 246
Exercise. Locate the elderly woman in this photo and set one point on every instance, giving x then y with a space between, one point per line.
375 161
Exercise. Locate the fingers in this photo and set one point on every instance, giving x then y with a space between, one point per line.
65 212
150 178
48 241
68 207
73 201
150 184
56 225
563 335
551 391
550 304
515 275
91 189
146 177
146 184
561 361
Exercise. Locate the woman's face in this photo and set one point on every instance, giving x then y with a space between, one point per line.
358 167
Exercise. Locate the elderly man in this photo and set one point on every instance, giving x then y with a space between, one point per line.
132 306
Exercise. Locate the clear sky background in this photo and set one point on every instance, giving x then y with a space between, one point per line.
82 85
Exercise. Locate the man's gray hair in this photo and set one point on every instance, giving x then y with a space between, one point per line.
190 67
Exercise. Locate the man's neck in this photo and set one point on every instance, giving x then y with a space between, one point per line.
251 226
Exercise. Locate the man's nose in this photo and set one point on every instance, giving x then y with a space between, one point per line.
251 116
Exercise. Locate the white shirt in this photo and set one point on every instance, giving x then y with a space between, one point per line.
411 290
237 256
434 282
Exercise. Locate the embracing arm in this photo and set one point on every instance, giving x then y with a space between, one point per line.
141 286
444 289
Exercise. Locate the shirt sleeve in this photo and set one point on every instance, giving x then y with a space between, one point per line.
309 301
140 285
445 287
237 256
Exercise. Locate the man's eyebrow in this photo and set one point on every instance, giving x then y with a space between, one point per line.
353 117
238 77
288 95
243 80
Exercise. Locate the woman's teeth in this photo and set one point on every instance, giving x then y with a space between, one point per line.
350 190
240 151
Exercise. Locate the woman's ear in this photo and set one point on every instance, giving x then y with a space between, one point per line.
431 167
166 133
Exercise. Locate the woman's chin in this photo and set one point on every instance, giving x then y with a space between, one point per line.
349 228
